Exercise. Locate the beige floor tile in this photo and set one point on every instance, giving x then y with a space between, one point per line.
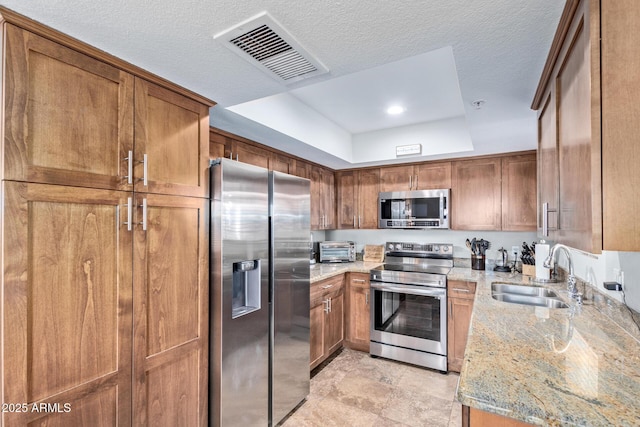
356 390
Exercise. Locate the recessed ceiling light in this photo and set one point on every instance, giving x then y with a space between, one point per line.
478 103
395 110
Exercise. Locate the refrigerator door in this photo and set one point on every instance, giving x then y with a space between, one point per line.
290 240
239 349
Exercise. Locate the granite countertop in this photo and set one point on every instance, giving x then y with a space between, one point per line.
324 271
573 366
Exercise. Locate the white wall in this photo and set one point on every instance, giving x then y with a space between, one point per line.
286 114
436 137
597 269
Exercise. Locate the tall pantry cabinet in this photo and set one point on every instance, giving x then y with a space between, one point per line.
104 301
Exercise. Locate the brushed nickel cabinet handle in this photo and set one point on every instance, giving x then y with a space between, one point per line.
358 280
410 182
129 222
450 310
145 169
330 305
354 221
416 183
461 290
144 214
129 160
359 222
366 298
327 286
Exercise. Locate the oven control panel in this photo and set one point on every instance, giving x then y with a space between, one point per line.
437 249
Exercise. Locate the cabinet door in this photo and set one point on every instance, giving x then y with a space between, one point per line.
368 191
303 170
459 318
575 140
68 117
476 203
67 304
250 154
347 199
171 153
316 334
334 327
547 164
281 163
329 199
396 178
519 193
171 311
432 176
217 145
358 312
317 202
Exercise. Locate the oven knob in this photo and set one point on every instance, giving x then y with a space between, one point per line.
436 248
390 246
445 248
398 247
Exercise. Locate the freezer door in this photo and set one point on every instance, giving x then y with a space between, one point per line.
290 239
239 349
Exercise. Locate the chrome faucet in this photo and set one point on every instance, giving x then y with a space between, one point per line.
571 280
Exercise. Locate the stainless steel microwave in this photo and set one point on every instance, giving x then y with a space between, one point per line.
414 209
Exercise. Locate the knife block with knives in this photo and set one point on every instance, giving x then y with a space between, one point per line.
478 252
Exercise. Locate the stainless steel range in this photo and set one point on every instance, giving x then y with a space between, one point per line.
409 304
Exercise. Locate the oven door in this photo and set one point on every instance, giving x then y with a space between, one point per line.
409 316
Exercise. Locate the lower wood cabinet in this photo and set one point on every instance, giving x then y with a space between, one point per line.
358 320
105 306
472 417
326 318
460 296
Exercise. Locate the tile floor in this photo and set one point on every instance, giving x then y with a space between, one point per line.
356 390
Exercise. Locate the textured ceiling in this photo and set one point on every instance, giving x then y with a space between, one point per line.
499 46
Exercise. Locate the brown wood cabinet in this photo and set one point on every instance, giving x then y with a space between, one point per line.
519 193
472 417
358 318
217 144
460 296
476 200
71 119
105 280
171 306
425 176
590 90
248 153
323 203
357 198
326 319
67 303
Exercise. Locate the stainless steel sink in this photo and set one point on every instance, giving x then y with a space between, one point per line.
526 295
530 300
537 291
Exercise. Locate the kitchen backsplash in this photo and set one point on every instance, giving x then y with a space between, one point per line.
593 269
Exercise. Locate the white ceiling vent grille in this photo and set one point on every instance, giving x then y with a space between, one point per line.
267 45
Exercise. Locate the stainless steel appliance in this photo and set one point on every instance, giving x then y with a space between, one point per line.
414 209
337 251
259 351
409 304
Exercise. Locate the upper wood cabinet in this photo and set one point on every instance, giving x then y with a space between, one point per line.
426 176
476 194
171 154
357 198
323 201
217 145
519 193
67 303
248 153
68 118
590 90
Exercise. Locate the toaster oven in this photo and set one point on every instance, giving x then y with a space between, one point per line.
337 251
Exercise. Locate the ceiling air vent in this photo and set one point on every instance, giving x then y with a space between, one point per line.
262 41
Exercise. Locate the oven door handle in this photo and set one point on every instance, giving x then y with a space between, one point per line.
413 290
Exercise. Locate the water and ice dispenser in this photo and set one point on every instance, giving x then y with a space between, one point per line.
246 287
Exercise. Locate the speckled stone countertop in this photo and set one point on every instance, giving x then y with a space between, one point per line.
573 366
325 271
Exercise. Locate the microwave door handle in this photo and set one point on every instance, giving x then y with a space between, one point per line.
441 209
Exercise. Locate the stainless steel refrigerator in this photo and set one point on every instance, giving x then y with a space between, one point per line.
259 355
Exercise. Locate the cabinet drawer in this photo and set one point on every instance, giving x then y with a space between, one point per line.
326 288
461 289
359 280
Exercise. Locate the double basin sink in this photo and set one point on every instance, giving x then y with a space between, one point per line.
526 295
